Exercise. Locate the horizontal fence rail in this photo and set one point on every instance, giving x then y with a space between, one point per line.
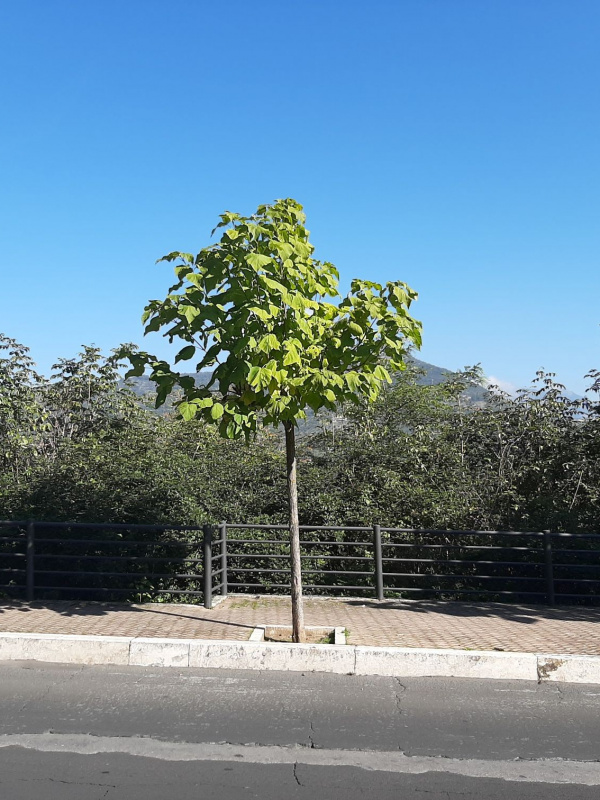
93 561
142 563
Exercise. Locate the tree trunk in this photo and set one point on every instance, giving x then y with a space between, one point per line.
298 634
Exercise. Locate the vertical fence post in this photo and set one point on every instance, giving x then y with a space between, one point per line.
207 531
30 568
548 568
223 538
378 561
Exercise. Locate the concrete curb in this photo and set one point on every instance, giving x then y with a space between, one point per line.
339 633
341 659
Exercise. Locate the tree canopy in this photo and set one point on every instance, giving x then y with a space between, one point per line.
259 310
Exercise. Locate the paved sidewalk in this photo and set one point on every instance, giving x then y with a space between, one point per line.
388 623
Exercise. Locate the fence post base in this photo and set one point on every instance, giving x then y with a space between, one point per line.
223 538
548 568
30 567
207 530
378 561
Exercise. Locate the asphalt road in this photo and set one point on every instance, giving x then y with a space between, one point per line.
126 733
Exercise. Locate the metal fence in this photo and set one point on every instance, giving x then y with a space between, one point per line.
94 561
85 561
501 566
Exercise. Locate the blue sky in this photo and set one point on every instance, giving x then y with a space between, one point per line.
452 144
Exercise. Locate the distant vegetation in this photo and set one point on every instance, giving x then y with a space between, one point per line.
81 446
423 373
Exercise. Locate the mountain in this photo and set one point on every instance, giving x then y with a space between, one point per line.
143 387
430 375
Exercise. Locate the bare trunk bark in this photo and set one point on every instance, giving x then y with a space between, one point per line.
298 634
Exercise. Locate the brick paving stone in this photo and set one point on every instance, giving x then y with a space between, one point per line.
387 623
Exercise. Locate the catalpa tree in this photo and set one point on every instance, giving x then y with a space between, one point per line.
267 318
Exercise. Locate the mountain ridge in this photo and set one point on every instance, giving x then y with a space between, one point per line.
431 375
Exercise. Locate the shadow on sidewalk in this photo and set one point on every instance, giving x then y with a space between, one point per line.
527 615
91 609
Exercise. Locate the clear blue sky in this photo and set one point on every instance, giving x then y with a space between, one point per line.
453 144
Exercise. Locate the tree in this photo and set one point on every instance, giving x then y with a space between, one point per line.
84 397
22 416
254 306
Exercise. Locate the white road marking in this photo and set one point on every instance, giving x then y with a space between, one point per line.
585 773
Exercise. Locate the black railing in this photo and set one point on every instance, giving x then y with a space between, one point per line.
85 561
94 561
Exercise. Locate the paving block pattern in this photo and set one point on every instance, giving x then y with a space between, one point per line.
387 623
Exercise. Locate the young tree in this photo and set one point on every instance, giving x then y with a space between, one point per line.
255 307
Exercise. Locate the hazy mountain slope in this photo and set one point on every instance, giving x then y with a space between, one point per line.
431 375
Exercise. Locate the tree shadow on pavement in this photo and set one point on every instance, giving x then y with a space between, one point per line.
98 609
524 614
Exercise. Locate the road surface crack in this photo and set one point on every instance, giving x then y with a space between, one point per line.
69 677
37 699
82 783
296 778
397 693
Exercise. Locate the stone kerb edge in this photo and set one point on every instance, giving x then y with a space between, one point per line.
340 659
568 668
65 649
420 662
159 652
273 656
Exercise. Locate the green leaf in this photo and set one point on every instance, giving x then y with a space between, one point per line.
382 374
257 260
353 381
186 353
182 270
274 285
291 357
284 249
254 376
155 324
189 312
187 410
138 368
195 279
260 313
304 326
216 411
268 343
